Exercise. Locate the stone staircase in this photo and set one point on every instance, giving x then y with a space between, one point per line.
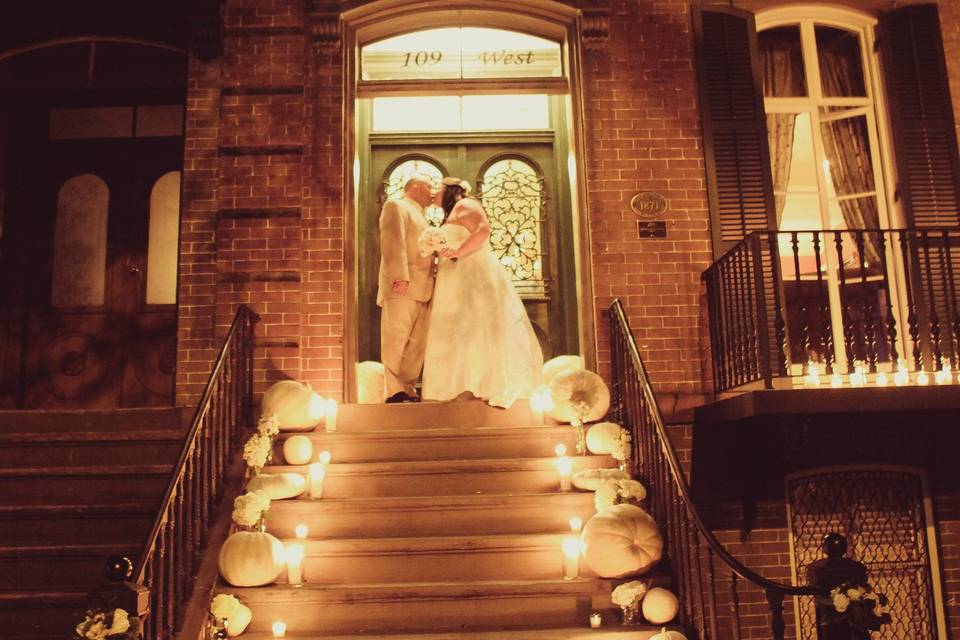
437 521
75 488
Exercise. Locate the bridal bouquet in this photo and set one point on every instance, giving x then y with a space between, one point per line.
249 508
858 605
432 240
114 624
612 492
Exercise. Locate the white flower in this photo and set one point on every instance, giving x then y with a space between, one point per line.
854 594
268 425
224 605
121 622
631 490
611 492
248 508
432 240
257 450
840 601
628 593
621 446
605 496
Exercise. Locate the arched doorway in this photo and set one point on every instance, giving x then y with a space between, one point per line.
488 94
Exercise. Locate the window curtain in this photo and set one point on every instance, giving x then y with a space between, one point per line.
847 148
782 76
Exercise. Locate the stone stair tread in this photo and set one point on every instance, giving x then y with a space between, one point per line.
67 510
113 470
439 502
99 437
415 432
444 466
430 543
408 591
66 550
638 632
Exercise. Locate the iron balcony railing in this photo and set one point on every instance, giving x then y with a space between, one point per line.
867 301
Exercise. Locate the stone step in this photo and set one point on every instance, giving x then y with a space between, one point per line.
88 448
41 613
65 524
611 630
445 477
353 418
425 607
430 516
102 420
435 559
60 486
68 566
438 443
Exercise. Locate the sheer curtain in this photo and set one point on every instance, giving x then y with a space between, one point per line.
782 77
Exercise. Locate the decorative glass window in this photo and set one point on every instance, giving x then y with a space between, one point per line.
460 53
163 240
393 185
80 242
462 113
512 192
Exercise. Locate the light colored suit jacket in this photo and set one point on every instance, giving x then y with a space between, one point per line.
401 224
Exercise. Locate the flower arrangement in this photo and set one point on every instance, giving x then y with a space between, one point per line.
268 425
856 605
115 624
249 508
621 447
257 450
627 596
611 492
432 240
224 605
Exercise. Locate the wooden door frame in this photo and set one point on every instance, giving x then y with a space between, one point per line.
545 18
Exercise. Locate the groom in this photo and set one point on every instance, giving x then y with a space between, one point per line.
405 287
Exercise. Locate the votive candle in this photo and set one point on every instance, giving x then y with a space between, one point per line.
324 457
317 473
922 377
540 403
595 620
576 524
279 629
294 553
882 379
300 531
902 376
565 469
330 413
571 558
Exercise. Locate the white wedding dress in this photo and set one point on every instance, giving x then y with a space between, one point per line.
480 338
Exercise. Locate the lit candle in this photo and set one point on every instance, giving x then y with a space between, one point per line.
560 450
812 379
565 468
859 376
944 376
571 558
316 407
540 403
324 457
882 380
922 377
902 376
317 473
595 620
294 555
279 629
330 413
576 524
300 531
836 380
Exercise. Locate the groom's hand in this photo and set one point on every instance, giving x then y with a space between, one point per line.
400 287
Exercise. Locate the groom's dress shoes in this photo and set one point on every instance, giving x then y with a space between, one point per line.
401 396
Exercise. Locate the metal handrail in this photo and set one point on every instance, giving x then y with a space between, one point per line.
197 480
775 591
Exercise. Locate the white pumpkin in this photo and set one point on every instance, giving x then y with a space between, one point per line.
579 394
668 635
602 436
660 606
371 383
296 405
620 541
278 486
591 479
251 559
560 364
298 450
238 622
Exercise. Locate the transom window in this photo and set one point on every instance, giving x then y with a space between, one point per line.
461 113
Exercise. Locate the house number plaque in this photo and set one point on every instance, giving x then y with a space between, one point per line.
649 204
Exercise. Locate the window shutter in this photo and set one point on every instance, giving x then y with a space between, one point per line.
739 185
924 135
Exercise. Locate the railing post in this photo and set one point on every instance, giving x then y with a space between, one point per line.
777 625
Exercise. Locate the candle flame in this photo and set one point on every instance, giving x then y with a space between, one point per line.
324 457
576 524
571 547
300 531
560 449
279 629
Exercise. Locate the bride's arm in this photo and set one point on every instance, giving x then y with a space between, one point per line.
471 215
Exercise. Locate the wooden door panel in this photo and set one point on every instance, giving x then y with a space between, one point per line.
150 363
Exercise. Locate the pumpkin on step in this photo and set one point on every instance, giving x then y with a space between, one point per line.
579 395
278 486
603 437
237 615
560 364
297 450
623 540
371 383
296 406
668 635
591 479
251 559
660 606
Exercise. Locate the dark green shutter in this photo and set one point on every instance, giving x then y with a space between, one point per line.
922 114
739 185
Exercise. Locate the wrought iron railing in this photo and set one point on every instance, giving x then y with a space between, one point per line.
780 300
171 555
707 576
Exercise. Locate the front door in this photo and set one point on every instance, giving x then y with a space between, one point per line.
96 333
518 181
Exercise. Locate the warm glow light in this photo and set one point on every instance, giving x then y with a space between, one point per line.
317 474
315 406
944 376
595 620
279 629
294 557
540 404
859 376
836 380
300 531
576 524
324 457
882 380
826 168
902 376
560 449
922 377
330 415
571 557
812 379
565 469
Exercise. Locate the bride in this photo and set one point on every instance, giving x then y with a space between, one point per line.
480 340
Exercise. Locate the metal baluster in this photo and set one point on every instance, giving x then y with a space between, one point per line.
734 607
713 305
779 324
826 330
777 625
712 582
949 298
150 625
748 314
869 321
171 572
913 325
729 325
181 557
933 317
802 308
844 306
891 324
160 601
694 542
950 241
762 324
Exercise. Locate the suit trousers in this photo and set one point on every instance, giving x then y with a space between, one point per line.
403 342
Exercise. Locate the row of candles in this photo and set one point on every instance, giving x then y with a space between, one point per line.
859 377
